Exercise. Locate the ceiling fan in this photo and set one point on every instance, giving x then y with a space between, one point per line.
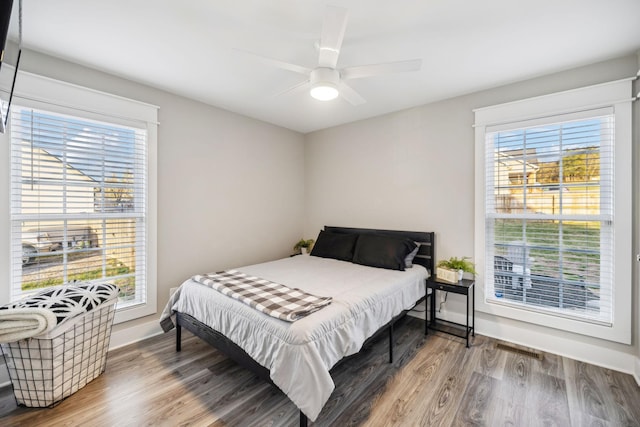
325 81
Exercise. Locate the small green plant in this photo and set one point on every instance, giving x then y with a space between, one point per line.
303 244
456 264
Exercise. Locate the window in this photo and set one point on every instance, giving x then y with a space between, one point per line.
80 200
549 236
552 216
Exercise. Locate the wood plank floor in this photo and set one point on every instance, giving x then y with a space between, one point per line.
434 381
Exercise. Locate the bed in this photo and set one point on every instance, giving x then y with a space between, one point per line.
365 300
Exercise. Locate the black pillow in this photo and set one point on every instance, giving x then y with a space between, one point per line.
376 250
334 245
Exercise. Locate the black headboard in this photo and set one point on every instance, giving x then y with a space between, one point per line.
426 254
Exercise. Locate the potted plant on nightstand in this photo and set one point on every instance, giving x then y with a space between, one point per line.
303 246
451 270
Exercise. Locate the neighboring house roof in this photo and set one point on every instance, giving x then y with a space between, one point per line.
42 174
46 156
515 159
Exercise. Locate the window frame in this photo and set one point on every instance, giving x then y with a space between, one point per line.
59 97
617 96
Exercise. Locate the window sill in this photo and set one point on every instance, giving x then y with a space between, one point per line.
620 332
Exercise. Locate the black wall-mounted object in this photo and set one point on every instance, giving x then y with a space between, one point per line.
5 17
7 74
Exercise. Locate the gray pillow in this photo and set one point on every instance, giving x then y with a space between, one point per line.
408 261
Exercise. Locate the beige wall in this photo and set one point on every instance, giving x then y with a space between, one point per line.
415 170
408 170
230 188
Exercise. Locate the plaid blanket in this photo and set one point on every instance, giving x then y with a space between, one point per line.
270 298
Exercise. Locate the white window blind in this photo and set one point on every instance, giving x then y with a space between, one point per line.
78 203
549 216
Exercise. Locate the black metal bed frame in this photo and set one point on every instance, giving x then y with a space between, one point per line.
425 257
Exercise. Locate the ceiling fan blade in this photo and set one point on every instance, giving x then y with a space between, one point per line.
350 95
280 64
361 71
295 88
333 28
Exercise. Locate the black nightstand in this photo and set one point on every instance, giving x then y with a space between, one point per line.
463 287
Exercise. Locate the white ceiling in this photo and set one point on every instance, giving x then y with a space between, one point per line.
188 47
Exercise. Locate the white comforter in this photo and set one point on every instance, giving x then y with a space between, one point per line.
299 355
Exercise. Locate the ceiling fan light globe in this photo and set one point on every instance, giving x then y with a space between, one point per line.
324 83
324 91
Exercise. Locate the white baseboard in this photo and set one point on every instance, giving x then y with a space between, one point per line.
550 341
119 338
418 311
126 336
547 340
618 361
450 316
